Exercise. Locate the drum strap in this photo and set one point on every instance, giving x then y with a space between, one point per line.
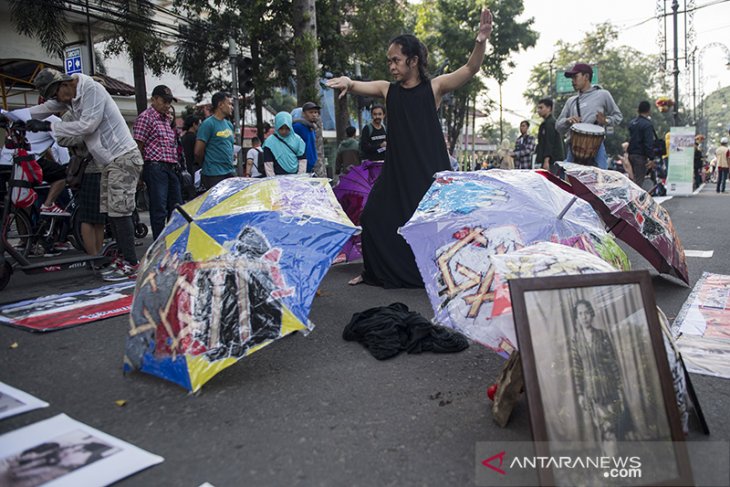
577 105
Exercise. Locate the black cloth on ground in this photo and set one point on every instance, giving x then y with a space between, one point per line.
416 151
389 330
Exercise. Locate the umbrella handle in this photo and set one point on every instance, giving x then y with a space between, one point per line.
184 214
567 207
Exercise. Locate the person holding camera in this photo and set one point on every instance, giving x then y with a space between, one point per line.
641 143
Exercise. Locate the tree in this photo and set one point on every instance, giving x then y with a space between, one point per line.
304 22
628 74
43 20
494 134
139 40
261 27
441 25
353 38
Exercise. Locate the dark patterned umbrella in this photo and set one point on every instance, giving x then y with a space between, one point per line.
632 215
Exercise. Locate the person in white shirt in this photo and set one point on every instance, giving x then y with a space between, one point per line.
253 157
100 124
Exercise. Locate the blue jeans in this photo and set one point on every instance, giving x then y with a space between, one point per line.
163 188
601 159
721 179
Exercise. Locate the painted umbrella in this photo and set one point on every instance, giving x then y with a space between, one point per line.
466 217
235 269
541 259
632 215
352 191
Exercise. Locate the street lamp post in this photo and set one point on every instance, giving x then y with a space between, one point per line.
233 57
675 113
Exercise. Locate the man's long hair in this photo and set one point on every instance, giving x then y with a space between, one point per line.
412 47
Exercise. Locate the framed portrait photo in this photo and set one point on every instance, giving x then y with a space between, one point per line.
597 381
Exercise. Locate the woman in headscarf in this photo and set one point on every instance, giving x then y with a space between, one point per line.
284 150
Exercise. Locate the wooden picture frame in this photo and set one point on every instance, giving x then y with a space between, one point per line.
596 372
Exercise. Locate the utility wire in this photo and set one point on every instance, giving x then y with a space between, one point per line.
148 26
132 20
704 5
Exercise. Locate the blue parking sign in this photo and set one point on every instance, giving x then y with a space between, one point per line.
73 62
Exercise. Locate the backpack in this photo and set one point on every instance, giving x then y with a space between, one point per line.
659 146
26 174
260 162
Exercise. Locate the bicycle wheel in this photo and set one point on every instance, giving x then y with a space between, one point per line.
18 232
78 239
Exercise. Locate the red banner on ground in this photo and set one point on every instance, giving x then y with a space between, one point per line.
61 311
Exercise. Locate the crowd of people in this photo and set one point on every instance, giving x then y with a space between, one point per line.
155 152
411 144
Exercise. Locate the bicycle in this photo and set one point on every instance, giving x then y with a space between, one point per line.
140 229
18 235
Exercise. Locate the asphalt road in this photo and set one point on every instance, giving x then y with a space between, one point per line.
314 410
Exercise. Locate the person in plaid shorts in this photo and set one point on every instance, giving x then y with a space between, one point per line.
104 131
157 142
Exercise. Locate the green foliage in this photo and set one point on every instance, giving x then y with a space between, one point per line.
306 70
137 34
628 74
202 68
716 123
43 20
282 102
357 30
490 132
256 25
508 37
46 21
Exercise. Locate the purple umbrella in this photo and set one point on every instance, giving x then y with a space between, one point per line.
352 192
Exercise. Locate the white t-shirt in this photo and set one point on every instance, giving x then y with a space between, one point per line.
254 154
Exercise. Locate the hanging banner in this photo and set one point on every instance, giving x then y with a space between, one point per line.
681 160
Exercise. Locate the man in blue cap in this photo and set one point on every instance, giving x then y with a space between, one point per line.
306 128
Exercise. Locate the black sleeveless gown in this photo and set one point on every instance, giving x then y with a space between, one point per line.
416 150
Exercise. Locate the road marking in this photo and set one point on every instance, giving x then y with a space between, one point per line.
662 199
705 254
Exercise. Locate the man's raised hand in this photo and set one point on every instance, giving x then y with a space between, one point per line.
342 83
485 26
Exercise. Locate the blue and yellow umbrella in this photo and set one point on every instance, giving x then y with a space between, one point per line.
235 269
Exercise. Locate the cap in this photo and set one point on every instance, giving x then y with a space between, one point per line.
47 81
723 140
579 68
310 106
164 92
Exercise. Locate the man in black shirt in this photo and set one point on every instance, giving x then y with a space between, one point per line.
549 141
641 143
373 137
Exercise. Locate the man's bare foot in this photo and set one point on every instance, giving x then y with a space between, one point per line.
355 281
